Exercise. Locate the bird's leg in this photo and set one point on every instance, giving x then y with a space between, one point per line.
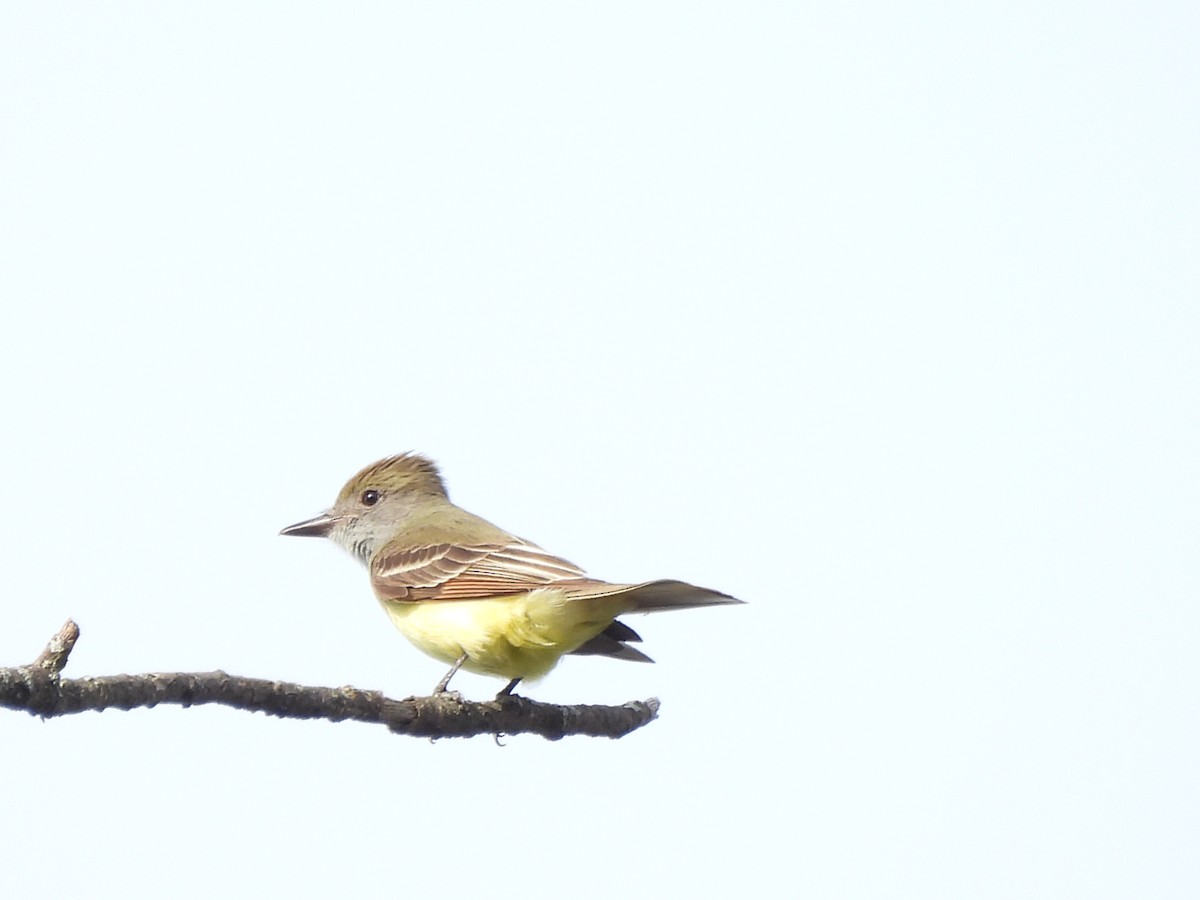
507 690
441 685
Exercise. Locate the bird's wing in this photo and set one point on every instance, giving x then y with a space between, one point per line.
471 572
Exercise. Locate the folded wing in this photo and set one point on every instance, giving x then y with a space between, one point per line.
478 571
475 572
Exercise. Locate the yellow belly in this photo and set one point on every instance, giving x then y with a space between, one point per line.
521 636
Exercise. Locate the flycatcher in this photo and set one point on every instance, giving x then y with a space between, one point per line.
473 595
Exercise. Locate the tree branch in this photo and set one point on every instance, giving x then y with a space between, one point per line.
40 690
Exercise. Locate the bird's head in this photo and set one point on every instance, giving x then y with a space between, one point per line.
372 505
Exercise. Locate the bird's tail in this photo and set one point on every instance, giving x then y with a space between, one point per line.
652 596
656 595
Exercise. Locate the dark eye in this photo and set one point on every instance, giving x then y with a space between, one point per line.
369 498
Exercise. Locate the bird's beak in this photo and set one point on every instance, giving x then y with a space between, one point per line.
317 526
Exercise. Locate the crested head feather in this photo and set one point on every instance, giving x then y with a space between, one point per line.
405 472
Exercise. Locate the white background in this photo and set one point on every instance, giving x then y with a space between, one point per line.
883 318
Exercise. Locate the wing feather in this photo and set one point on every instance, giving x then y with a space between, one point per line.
452 572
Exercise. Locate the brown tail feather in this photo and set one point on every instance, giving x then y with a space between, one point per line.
648 597
667 594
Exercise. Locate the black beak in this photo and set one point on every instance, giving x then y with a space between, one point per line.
317 526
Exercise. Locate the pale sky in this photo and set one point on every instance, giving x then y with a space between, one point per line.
882 318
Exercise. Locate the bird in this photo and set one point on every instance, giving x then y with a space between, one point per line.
474 596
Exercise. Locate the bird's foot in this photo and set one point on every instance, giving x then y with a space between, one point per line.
442 685
507 690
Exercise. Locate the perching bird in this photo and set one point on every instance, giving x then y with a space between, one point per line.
473 595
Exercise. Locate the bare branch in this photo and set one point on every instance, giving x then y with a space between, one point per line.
40 690
54 658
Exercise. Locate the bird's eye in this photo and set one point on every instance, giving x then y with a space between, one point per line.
369 498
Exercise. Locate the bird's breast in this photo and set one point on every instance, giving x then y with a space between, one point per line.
516 636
